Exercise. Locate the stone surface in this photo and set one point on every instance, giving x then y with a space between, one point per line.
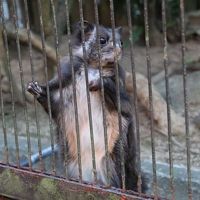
176 90
180 180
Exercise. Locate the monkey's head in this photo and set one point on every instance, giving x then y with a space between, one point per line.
108 52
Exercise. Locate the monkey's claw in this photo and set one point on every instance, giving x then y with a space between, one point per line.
34 88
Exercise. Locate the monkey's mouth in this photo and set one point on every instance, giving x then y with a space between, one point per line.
110 62
111 58
107 58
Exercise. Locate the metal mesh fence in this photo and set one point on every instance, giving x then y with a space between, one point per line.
37 166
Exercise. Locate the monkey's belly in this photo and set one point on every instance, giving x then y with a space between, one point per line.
85 135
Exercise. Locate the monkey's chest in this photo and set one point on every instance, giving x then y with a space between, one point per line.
90 130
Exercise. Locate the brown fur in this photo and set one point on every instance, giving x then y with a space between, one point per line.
109 54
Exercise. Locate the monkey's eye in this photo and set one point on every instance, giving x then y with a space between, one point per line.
103 40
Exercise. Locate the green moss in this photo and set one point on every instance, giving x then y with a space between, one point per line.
113 197
10 183
47 189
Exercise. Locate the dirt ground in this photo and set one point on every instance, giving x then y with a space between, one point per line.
161 141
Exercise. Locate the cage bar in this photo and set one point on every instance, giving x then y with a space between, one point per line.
48 94
102 92
88 95
148 59
118 97
32 76
15 17
3 123
135 103
166 65
74 92
62 138
10 77
185 93
6 157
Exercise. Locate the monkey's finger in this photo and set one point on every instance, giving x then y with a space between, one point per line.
34 88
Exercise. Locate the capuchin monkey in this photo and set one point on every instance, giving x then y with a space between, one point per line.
66 113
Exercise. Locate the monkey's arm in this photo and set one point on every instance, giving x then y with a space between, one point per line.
40 91
110 93
65 73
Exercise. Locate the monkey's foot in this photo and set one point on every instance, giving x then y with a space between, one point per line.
35 89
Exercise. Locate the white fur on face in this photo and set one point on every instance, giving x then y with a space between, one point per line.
78 51
91 39
93 75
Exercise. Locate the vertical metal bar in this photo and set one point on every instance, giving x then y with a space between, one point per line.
118 98
166 65
150 97
10 77
60 83
47 84
3 122
88 95
15 18
74 92
183 47
135 103
2 100
102 93
32 76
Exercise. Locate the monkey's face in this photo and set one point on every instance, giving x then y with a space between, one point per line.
101 51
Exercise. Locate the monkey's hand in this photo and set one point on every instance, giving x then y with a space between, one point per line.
35 89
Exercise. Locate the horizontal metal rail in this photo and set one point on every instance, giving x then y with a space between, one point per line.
32 185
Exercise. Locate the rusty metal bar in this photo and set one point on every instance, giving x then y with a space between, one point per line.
48 94
135 103
46 187
15 18
87 90
118 97
185 92
62 138
102 92
6 157
3 123
74 92
10 77
166 65
32 76
148 59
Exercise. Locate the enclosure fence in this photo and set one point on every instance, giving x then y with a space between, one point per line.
20 179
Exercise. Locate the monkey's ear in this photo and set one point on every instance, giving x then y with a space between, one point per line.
119 30
86 26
